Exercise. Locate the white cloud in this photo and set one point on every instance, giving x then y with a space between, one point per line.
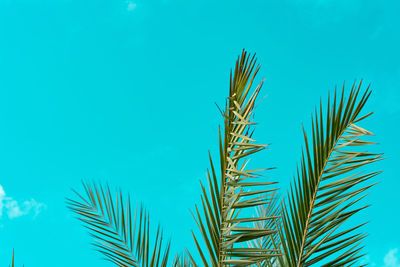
131 5
14 209
391 258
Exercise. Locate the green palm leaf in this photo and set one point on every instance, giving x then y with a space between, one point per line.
121 235
328 188
224 220
270 242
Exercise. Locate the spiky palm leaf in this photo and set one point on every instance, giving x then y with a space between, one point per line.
270 242
225 223
328 188
121 235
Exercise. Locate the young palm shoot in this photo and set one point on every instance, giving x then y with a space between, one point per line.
224 219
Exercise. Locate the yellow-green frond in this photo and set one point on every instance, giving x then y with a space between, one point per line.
223 217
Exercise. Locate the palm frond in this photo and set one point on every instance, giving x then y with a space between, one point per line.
329 186
223 219
121 235
270 242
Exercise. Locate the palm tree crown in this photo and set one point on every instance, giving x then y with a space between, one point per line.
241 220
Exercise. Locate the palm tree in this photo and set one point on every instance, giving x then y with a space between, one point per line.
241 219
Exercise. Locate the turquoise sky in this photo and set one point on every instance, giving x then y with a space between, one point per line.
125 92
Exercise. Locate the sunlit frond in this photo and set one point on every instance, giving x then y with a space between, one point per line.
12 259
223 219
270 242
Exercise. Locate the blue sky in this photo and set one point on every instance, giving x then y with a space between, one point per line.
125 92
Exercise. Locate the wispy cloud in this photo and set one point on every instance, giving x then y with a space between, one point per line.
14 209
131 5
391 258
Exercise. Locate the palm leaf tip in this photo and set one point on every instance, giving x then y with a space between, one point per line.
222 219
12 259
184 260
329 186
120 233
